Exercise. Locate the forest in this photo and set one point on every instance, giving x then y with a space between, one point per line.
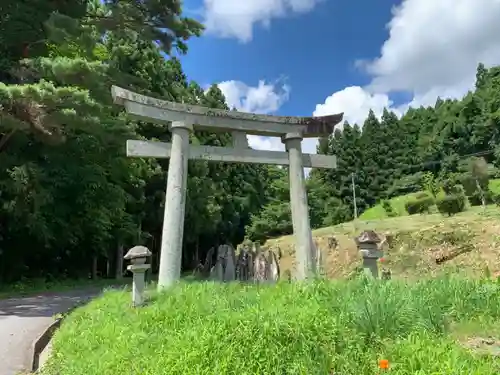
71 201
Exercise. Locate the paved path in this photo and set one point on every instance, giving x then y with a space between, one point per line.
23 320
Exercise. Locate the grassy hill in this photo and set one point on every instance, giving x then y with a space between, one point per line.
398 204
414 244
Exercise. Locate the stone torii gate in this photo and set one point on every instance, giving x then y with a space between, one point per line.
181 118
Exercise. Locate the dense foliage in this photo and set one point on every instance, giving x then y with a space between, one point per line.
70 201
419 205
451 204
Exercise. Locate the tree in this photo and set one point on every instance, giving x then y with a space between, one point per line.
275 217
375 149
425 144
23 31
475 178
95 198
77 73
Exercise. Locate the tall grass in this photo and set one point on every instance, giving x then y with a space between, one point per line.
314 329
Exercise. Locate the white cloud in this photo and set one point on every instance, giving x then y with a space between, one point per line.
265 98
436 46
355 102
258 142
236 18
432 51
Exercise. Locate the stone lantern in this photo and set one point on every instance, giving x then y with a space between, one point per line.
367 243
138 256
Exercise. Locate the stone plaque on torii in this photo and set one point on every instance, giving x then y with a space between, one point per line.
181 119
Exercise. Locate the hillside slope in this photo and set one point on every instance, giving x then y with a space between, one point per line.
398 204
413 244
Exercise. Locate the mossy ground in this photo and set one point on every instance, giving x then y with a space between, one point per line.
324 327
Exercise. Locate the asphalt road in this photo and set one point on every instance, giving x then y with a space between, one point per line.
23 320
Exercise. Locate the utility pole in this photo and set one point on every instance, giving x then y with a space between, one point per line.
354 196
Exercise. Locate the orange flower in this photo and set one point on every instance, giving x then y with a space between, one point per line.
381 260
383 364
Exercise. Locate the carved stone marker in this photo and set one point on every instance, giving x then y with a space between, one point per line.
273 273
225 266
266 267
245 264
367 243
180 118
203 269
138 256
318 257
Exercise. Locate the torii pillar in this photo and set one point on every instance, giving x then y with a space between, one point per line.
304 250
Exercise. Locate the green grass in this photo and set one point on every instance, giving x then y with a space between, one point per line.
33 286
494 186
398 204
378 212
344 326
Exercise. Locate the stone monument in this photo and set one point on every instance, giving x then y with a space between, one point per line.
367 243
182 119
138 256
225 266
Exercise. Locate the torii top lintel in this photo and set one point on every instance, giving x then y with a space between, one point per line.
157 110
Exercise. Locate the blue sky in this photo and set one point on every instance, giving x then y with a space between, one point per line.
305 57
314 52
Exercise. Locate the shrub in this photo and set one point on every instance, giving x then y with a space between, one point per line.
475 198
430 183
451 204
389 210
421 195
419 205
496 198
457 189
450 186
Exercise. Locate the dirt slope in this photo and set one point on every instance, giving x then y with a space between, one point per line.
468 242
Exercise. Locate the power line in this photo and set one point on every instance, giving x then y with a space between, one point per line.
435 162
409 167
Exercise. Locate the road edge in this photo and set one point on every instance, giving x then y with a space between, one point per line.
41 343
38 345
